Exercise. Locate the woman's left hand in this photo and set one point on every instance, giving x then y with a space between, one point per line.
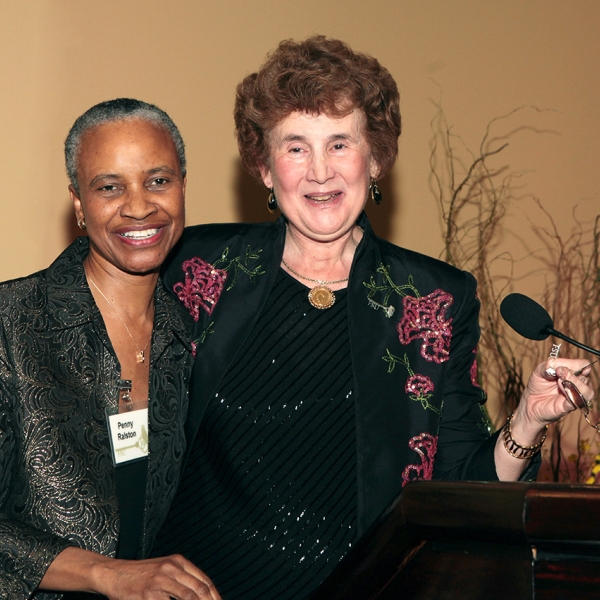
544 400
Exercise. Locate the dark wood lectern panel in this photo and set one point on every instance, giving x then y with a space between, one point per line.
477 541
447 573
567 580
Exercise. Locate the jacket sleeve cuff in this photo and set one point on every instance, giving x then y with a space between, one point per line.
25 556
482 467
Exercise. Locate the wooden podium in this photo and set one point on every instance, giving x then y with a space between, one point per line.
477 541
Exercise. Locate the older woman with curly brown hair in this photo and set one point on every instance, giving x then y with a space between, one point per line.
332 367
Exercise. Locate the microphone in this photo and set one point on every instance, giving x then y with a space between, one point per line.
532 321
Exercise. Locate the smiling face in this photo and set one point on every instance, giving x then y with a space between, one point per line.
320 168
131 195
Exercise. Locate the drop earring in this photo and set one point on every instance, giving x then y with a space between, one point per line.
81 224
375 193
272 201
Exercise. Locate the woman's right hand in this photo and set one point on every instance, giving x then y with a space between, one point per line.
166 577
162 578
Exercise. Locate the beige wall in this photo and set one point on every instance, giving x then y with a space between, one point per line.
58 57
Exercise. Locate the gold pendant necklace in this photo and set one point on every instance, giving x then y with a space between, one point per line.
319 296
139 355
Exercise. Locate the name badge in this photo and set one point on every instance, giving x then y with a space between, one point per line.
129 435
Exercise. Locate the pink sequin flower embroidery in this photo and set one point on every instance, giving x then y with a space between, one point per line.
425 318
419 385
419 388
473 371
425 445
201 287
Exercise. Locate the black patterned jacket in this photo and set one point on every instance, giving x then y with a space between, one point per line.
413 337
58 374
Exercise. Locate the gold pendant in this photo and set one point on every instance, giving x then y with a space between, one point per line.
321 297
139 356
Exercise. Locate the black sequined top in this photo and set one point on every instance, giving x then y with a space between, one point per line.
267 506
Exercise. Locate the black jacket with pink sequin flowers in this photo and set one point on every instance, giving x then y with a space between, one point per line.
413 335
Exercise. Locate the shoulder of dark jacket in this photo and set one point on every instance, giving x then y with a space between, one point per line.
208 242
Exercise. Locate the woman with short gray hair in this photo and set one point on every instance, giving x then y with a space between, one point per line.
95 360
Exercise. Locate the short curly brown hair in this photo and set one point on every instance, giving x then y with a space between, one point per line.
318 75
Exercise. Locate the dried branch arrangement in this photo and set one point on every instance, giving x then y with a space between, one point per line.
475 193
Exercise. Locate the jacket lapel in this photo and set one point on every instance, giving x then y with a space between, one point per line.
221 334
386 418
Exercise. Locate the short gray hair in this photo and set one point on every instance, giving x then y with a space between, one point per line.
120 109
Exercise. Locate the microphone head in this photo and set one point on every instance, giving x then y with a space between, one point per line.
526 317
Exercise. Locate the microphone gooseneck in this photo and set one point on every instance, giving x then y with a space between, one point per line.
532 321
